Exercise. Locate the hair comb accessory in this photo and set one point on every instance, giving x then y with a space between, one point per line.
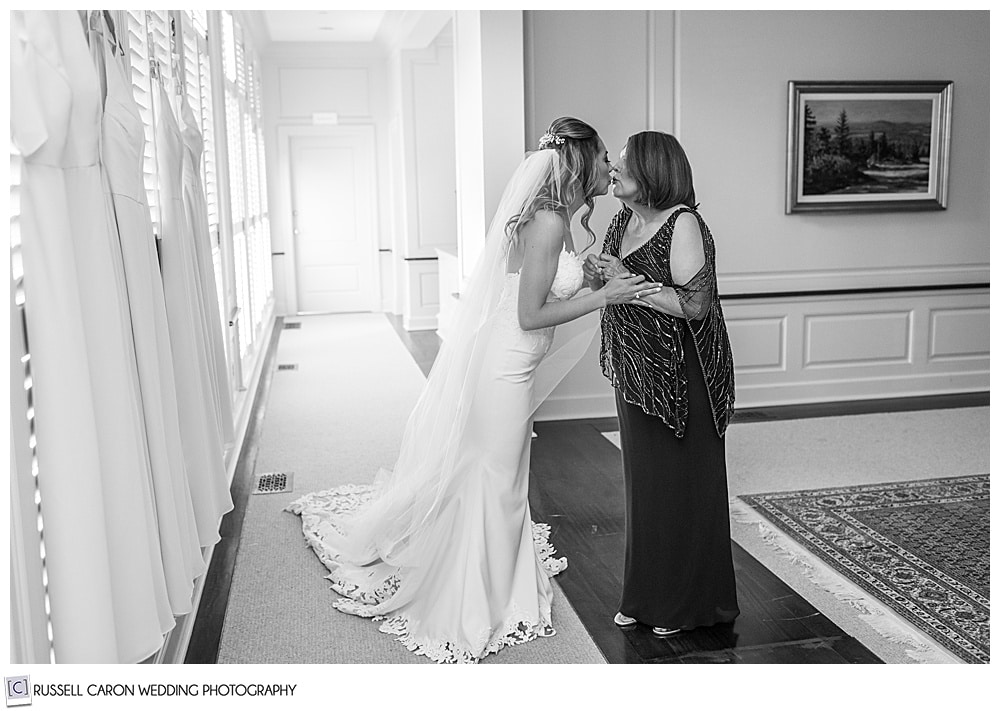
549 140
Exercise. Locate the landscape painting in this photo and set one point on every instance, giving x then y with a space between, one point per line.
868 146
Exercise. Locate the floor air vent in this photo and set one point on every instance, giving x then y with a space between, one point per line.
293 324
288 366
273 483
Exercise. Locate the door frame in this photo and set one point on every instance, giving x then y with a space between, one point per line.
365 132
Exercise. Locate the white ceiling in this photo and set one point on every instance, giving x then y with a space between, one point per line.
323 25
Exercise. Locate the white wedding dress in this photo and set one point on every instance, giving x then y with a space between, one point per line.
472 576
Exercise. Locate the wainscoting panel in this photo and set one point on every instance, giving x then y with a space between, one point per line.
759 344
421 296
826 348
851 339
429 289
959 334
859 347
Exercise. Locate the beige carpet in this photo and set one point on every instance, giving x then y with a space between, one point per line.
790 455
336 420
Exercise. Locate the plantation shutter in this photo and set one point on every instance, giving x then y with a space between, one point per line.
158 27
237 192
208 130
264 218
139 57
188 46
198 90
27 538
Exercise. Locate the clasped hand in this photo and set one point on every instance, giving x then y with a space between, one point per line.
603 266
620 285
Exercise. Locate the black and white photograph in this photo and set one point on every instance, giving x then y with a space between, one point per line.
345 342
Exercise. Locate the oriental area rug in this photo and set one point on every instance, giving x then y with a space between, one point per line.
921 548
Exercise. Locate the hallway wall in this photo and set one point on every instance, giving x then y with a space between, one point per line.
591 65
731 102
719 81
406 96
423 103
303 79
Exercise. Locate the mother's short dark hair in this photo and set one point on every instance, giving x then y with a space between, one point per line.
659 165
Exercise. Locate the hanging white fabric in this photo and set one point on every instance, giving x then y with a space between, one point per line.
106 581
122 155
196 212
65 427
203 448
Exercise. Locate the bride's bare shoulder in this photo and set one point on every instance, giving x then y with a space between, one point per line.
546 227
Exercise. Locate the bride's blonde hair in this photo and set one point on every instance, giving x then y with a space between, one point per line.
577 148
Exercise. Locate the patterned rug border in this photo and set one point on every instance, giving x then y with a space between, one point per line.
880 618
967 638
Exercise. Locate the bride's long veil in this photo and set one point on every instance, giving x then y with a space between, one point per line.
406 498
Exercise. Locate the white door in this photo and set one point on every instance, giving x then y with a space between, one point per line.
333 222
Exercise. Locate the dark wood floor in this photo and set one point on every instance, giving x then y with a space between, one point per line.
206 634
422 345
576 487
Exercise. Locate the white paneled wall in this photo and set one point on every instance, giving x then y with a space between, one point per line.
311 84
718 81
303 91
406 96
489 119
426 106
420 289
809 349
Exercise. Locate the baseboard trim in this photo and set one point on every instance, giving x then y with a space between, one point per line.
860 389
175 648
578 407
420 323
803 411
595 408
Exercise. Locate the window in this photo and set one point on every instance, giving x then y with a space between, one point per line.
139 58
173 47
196 46
32 584
251 229
193 40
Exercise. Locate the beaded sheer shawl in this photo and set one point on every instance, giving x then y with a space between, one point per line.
642 351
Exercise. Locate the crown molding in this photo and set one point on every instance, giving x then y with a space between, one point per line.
413 29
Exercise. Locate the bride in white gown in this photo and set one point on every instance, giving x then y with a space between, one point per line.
442 549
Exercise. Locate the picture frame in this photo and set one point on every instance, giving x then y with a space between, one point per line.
866 146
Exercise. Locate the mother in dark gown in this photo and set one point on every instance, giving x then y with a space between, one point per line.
669 359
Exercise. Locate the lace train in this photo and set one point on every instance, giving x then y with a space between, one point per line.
516 630
330 507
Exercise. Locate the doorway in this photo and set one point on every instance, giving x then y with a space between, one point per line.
334 237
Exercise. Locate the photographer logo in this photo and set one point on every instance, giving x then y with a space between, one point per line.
18 690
